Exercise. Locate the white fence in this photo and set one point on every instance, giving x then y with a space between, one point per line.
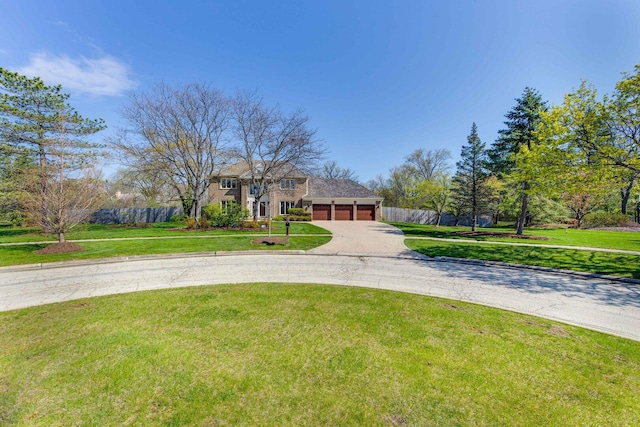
417 216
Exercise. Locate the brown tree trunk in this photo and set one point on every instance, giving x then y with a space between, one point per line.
625 194
523 212
60 237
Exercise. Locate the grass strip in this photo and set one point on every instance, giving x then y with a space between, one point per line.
563 236
615 264
164 229
270 354
25 254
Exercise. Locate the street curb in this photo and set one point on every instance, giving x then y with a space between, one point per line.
114 260
415 256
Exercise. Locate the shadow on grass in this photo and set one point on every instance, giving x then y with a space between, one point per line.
565 259
451 232
424 231
10 232
522 280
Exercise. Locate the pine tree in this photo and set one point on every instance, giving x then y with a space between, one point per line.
470 181
521 123
37 121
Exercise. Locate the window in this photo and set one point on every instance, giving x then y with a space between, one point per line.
285 206
255 189
287 184
228 183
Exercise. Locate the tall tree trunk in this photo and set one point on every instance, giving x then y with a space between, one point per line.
523 210
625 194
61 237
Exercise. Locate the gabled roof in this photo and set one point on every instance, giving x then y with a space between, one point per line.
241 170
334 188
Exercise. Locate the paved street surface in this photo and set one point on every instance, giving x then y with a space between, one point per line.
592 303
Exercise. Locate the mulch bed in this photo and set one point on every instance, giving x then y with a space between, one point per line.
60 248
269 241
494 234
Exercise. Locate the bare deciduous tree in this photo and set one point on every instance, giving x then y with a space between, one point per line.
180 131
331 169
72 190
428 164
271 143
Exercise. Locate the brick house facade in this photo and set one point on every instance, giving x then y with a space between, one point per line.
325 199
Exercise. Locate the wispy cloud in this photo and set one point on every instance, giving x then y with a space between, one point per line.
104 76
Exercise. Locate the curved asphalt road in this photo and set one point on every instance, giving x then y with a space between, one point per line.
592 303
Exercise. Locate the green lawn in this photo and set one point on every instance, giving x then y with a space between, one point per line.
167 239
565 259
163 229
269 354
24 254
591 261
565 236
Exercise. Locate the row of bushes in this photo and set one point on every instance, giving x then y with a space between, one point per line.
605 219
295 214
231 216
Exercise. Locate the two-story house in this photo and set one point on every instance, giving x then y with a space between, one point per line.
325 199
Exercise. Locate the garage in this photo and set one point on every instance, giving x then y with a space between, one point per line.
321 212
344 213
340 200
366 213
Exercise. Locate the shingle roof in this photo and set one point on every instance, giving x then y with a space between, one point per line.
241 170
327 188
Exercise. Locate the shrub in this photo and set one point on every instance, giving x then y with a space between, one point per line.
231 216
191 223
299 214
178 218
255 224
306 217
605 219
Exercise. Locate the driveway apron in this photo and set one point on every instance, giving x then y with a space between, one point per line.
366 238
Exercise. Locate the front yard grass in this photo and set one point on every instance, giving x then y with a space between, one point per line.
25 254
161 229
598 262
277 354
561 236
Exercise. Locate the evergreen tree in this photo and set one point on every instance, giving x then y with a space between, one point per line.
471 191
37 122
521 123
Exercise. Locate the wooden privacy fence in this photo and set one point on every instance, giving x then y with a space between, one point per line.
417 216
134 215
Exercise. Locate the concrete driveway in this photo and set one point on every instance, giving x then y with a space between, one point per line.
363 238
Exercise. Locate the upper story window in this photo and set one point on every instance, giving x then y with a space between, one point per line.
287 184
255 189
228 183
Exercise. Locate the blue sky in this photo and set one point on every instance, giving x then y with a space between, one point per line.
378 79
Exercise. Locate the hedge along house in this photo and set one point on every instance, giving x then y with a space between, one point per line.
325 199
